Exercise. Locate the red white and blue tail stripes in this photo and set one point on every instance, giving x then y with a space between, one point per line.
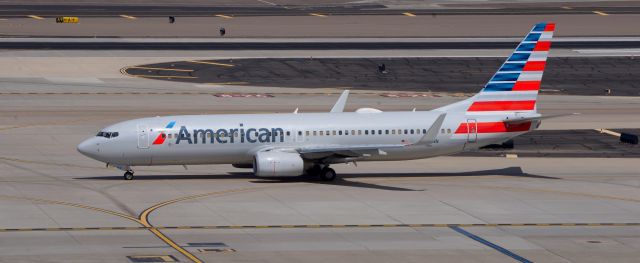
515 86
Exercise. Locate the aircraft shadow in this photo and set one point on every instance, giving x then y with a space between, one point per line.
509 171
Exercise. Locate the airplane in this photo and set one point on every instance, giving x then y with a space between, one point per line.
296 144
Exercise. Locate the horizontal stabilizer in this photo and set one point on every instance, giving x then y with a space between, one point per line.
516 120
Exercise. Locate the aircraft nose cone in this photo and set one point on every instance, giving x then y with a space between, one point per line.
88 147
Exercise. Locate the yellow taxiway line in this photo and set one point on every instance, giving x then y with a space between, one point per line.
318 15
409 14
36 17
600 13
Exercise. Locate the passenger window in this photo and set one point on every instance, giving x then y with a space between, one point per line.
321 133
288 133
315 133
380 132
299 133
170 135
359 132
424 131
412 132
307 133
339 132
353 132
393 131
346 132
334 133
448 130
442 131
386 131
366 132
406 131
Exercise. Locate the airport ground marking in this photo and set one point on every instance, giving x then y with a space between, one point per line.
142 219
610 132
567 7
219 227
317 14
490 244
227 83
36 17
600 13
128 17
224 16
158 76
63 203
170 69
267 2
409 14
211 63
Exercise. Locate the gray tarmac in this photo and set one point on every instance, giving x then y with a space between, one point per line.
310 26
59 206
563 76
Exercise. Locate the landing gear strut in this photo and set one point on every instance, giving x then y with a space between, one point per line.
128 175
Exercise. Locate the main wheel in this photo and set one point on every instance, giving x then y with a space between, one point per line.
327 174
128 175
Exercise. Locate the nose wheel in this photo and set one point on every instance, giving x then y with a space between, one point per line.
128 175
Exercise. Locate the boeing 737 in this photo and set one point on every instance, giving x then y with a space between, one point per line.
295 144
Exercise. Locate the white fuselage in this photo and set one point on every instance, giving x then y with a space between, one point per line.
234 139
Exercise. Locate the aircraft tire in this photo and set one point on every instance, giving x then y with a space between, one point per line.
327 174
128 176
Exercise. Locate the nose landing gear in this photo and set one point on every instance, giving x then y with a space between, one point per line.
128 175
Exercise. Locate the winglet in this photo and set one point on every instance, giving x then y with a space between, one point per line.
432 133
339 106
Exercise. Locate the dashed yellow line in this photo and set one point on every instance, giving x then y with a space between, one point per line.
567 7
224 16
409 14
211 63
128 17
36 17
157 228
600 13
171 69
318 15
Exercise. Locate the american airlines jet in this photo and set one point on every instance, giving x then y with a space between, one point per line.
295 144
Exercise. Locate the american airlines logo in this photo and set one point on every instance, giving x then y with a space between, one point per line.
210 136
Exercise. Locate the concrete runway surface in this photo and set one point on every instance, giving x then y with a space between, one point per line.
59 206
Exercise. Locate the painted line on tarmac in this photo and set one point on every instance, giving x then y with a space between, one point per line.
152 68
314 226
211 63
491 245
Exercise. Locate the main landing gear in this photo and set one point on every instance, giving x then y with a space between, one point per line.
128 175
323 172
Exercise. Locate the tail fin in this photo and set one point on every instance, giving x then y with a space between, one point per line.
514 87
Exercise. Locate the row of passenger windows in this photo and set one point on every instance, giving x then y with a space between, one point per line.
332 132
361 132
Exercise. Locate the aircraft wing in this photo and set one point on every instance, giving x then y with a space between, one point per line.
321 152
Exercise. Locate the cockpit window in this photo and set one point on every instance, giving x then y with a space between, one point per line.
107 134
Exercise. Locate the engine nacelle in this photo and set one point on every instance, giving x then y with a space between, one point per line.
277 164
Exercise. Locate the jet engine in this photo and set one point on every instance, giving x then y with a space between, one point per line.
277 164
